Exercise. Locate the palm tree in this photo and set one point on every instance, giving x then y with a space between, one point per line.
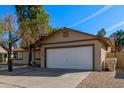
101 33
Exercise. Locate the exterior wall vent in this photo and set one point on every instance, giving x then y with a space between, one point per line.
66 34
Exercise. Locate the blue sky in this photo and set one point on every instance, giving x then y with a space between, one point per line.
89 19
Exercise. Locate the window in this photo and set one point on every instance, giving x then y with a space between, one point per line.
65 34
18 55
15 55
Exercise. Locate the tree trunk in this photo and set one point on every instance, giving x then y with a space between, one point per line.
10 53
9 61
30 55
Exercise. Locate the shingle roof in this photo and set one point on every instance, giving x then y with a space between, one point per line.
2 50
19 49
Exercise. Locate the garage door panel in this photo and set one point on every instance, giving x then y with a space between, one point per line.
74 58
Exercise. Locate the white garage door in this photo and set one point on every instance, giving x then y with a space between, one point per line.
70 58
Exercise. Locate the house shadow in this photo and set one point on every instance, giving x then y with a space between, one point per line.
119 74
38 72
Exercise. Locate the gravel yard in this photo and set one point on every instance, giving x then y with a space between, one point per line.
103 80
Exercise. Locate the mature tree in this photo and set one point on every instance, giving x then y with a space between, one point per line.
119 39
33 23
101 33
8 36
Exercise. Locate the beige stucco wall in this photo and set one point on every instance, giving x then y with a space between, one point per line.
103 56
58 37
24 58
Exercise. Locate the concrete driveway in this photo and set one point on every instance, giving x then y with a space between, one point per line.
42 78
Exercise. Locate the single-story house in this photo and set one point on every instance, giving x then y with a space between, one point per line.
3 55
69 49
21 56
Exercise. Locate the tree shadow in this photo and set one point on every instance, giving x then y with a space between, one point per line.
38 72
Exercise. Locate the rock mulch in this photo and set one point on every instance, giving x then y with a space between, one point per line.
103 80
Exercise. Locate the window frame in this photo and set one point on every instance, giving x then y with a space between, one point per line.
17 58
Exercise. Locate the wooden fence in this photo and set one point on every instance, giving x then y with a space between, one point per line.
120 58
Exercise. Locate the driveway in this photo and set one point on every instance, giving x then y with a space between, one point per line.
42 78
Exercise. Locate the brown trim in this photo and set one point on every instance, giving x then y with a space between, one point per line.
70 41
80 32
26 50
101 41
45 52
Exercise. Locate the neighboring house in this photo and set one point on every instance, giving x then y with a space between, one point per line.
21 56
3 55
70 49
